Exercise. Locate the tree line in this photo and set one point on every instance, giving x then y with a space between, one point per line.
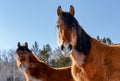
54 58
51 57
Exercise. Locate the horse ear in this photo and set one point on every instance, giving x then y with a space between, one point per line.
26 44
18 45
59 10
71 11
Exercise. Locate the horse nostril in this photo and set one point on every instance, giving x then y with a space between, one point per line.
70 47
62 47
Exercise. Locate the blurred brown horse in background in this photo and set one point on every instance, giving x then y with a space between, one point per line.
36 70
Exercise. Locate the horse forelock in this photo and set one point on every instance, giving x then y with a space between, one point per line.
69 20
23 48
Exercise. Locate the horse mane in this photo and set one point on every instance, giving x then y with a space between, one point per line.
83 41
33 58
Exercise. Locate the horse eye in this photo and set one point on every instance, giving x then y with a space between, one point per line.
57 26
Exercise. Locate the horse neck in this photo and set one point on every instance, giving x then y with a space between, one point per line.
95 52
93 60
35 61
37 67
33 58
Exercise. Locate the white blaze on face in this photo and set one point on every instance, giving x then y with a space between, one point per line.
73 42
66 50
73 39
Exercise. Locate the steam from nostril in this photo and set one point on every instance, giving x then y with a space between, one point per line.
70 47
62 47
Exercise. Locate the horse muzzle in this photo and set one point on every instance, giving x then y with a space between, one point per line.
66 49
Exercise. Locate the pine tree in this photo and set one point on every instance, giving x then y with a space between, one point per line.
105 40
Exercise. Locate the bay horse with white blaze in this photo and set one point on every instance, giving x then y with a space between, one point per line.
36 70
91 59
